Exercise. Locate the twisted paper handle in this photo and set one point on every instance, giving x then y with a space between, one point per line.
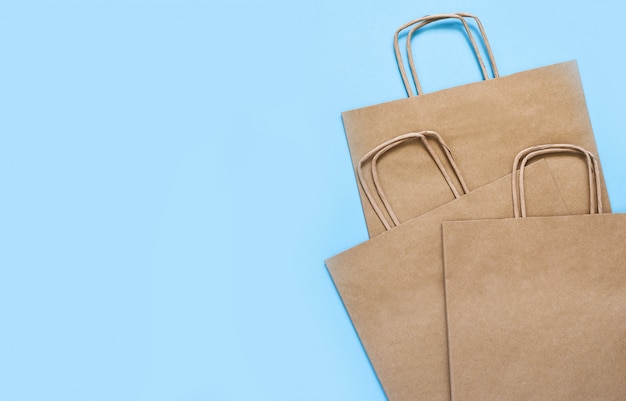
421 22
376 153
522 158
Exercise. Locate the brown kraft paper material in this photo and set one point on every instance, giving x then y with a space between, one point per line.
536 307
392 286
486 123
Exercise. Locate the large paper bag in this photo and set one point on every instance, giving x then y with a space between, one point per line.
486 123
536 307
392 285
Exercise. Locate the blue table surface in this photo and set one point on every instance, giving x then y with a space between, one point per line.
174 172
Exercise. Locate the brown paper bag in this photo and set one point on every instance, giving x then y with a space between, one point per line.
536 307
392 285
486 123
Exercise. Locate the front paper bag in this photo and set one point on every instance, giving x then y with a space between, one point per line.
392 285
486 123
536 307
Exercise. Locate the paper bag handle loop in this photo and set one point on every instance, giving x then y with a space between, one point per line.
519 201
421 22
595 204
437 161
383 148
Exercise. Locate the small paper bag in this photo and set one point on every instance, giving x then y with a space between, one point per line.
536 307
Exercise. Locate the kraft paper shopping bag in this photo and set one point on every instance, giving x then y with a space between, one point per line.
536 307
486 123
392 285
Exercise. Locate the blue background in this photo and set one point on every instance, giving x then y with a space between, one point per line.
174 172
